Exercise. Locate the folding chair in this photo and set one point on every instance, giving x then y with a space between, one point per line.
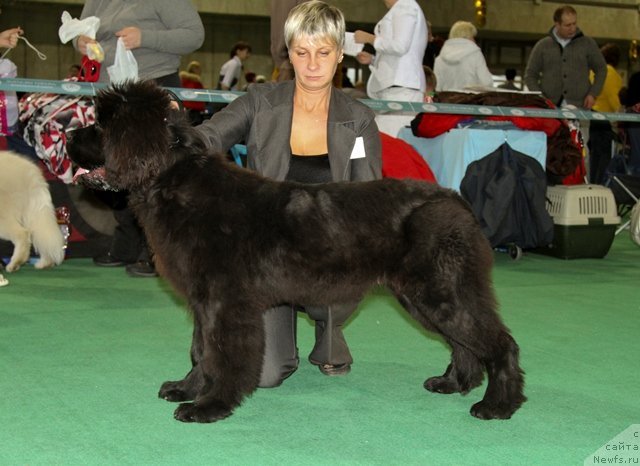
626 189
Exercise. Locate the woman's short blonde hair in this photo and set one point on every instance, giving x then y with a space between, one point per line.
317 20
463 30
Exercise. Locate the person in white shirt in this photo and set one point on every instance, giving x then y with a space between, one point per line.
231 71
460 63
400 41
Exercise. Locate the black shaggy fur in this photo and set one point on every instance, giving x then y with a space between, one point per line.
234 244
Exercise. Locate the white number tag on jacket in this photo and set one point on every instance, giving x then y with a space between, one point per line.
358 149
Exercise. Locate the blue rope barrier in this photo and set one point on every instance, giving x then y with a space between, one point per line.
378 106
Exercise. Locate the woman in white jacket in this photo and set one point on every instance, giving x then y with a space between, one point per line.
400 40
460 63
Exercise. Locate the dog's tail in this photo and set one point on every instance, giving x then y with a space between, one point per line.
40 220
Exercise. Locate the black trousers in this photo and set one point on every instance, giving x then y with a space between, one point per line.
601 136
633 132
281 351
129 243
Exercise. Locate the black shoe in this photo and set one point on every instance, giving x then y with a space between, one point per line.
141 269
107 260
335 369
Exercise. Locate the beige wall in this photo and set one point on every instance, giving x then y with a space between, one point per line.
618 19
510 23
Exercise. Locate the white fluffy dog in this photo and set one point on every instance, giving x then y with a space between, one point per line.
27 214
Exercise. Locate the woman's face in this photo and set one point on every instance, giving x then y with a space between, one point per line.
314 61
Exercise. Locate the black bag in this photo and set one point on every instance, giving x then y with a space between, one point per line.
507 193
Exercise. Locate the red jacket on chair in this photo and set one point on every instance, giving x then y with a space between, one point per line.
401 160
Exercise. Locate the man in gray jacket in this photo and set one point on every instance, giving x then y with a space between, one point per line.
559 63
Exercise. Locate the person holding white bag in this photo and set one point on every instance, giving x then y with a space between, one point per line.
9 37
9 110
158 33
9 99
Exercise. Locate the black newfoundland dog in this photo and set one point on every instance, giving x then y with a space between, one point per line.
235 243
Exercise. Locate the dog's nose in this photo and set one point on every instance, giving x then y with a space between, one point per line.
73 135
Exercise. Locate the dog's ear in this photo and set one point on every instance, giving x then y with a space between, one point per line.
136 137
185 138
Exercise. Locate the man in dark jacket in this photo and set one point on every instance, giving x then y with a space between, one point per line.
559 63
630 98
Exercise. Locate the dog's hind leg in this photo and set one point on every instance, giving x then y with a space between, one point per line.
464 372
446 276
504 394
479 340
471 321
46 236
21 240
231 362
188 388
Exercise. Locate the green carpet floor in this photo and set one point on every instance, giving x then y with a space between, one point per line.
83 351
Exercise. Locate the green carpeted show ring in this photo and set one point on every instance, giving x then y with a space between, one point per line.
84 349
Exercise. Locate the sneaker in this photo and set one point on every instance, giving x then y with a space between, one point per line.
141 269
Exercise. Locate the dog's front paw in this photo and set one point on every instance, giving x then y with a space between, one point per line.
175 391
443 385
13 267
486 410
210 412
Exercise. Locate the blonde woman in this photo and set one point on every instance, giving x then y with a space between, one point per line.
460 63
308 131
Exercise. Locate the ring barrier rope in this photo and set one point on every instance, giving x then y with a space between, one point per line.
378 106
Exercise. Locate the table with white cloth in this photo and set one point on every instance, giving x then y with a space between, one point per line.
449 154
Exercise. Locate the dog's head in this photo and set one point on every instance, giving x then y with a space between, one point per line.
137 135
84 147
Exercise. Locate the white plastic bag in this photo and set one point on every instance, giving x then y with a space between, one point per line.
125 66
73 27
8 99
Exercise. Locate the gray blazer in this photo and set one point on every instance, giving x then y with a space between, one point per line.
262 118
